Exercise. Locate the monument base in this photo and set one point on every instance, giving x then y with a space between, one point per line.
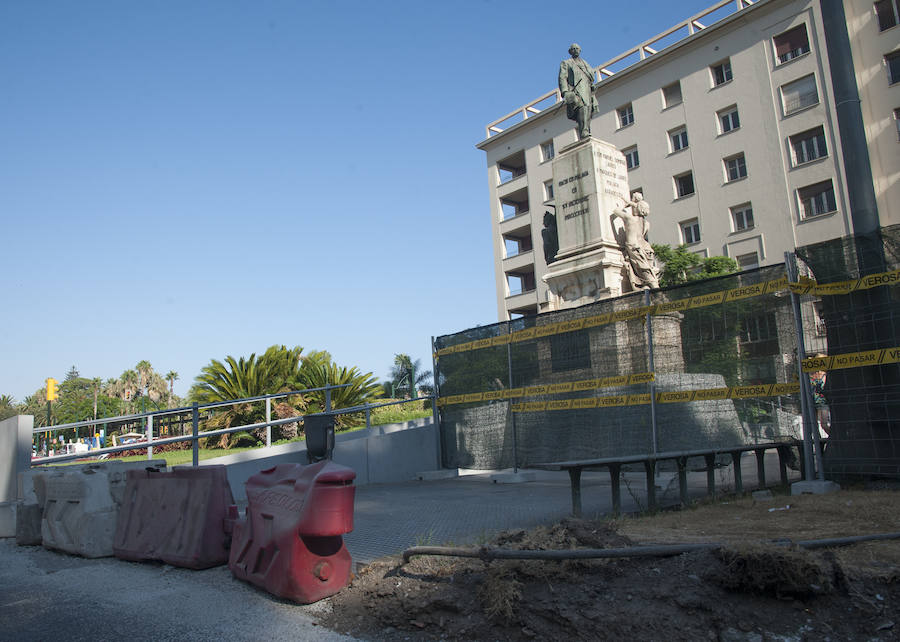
584 278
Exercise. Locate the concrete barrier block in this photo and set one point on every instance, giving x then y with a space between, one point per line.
81 505
178 517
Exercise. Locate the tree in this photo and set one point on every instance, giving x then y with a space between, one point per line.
171 377
96 384
8 407
358 389
279 369
407 376
680 265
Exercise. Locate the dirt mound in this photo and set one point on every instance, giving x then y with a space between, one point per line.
744 591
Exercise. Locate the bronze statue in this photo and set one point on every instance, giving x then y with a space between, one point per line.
576 86
550 238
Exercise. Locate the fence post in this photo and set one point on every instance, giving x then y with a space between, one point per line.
328 399
435 414
268 421
368 416
651 383
195 430
807 409
512 414
150 436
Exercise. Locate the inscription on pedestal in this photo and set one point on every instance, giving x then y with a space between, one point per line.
591 181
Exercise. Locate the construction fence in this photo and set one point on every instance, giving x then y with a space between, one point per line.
709 364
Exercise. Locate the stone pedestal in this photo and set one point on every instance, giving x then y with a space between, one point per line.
590 181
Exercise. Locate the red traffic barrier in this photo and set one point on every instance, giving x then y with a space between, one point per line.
181 517
290 543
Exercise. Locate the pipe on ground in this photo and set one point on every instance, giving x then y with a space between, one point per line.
662 550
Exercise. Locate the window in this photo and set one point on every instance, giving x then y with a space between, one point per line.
671 94
547 151
799 94
678 139
631 157
735 168
690 231
791 44
888 13
808 146
759 335
816 200
684 185
721 73
742 217
892 60
821 328
747 261
728 119
548 190
626 115
897 120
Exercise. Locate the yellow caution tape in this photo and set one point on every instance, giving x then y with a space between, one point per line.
852 360
680 396
805 285
549 389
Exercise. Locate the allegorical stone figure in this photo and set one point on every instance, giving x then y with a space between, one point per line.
641 259
550 238
576 86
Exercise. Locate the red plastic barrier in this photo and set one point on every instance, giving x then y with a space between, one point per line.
179 517
290 544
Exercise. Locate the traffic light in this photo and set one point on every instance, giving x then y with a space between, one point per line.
52 389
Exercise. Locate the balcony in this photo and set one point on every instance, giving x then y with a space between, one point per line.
519 262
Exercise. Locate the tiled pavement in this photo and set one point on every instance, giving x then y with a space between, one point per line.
468 509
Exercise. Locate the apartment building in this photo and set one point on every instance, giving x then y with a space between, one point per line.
729 128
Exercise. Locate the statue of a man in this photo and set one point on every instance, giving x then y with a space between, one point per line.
550 238
576 86
641 259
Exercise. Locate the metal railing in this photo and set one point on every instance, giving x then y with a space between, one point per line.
149 441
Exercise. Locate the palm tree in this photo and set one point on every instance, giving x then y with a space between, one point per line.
171 377
361 388
8 407
233 379
279 369
95 384
144 369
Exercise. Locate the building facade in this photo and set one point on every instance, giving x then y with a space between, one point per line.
729 128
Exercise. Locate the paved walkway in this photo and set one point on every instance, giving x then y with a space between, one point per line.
468 509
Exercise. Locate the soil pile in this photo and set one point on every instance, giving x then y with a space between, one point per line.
751 589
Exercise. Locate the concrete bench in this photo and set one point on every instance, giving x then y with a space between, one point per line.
649 461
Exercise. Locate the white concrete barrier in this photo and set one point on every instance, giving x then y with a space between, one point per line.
81 505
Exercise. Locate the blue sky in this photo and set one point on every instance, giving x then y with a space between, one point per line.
181 181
